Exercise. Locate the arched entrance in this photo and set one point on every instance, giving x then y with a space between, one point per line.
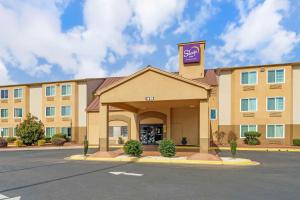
152 126
119 127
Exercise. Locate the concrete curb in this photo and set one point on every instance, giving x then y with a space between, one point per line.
243 162
258 149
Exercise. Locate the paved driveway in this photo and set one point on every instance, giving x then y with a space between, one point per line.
44 175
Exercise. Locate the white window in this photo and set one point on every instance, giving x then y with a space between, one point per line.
66 90
50 91
18 93
66 111
275 103
50 111
66 131
117 131
4 94
247 128
249 105
275 131
249 78
18 112
15 132
4 132
213 114
4 113
276 76
50 131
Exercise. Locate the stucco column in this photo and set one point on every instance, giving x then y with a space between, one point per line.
203 126
169 124
103 123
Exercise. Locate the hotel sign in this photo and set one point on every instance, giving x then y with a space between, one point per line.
191 53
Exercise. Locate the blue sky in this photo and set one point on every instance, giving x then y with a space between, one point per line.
65 39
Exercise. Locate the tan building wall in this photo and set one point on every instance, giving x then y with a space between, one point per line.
296 100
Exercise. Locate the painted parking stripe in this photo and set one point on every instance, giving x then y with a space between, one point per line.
3 197
125 173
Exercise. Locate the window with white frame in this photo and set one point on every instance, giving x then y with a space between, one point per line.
117 131
213 114
66 131
276 76
4 132
50 91
275 103
50 131
249 105
4 113
50 111
249 78
18 93
275 131
247 128
18 112
66 111
66 90
15 132
4 94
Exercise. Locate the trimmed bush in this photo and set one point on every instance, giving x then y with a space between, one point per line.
219 135
48 139
296 142
30 130
252 138
167 148
41 143
85 146
58 141
133 148
18 143
11 139
3 143
233 147
231 137
60 135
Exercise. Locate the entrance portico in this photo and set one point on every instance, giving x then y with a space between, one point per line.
155 97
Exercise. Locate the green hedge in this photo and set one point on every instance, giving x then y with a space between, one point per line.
296 142
167 148
252 138
133 148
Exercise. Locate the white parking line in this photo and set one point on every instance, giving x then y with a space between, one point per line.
125 173
7 198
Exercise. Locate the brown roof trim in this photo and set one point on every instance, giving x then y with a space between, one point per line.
51 82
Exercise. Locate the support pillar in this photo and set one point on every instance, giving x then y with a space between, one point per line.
169 123
103 123
203 126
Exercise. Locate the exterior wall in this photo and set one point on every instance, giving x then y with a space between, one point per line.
224 99
213 103
261 91
296 100
35 101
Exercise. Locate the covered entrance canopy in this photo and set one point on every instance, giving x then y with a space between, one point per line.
180 103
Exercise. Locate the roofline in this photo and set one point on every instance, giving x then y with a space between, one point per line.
50 82
251 66
194 42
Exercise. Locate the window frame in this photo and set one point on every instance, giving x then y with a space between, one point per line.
66 95
52 116
1 113
267 129
21 95
51 128
275 76
216 114
267 100
1 129
61 109
46 91
15 113
1 94
241 82
256 128
256 105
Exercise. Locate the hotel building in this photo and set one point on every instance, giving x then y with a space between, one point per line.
153 104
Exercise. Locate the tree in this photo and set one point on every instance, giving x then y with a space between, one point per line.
30 130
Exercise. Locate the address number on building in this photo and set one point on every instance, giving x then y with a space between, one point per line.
149 98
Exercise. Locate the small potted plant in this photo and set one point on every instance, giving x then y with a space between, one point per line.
184 141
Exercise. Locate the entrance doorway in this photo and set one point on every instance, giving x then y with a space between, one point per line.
150 134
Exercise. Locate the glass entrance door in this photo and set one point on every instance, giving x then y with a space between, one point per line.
151 133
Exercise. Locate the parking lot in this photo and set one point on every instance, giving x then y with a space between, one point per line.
45 175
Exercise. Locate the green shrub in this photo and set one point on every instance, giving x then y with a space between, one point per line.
85 146
167 148
3 143
58 141
296 142
231 137
219 135
48 139
11 139
252 138
18 143
30 130
133 148
41 143
233 147
59 135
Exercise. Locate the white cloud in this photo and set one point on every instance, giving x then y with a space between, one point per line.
154 17
5 78
129 68
258 37
172 64
141 49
